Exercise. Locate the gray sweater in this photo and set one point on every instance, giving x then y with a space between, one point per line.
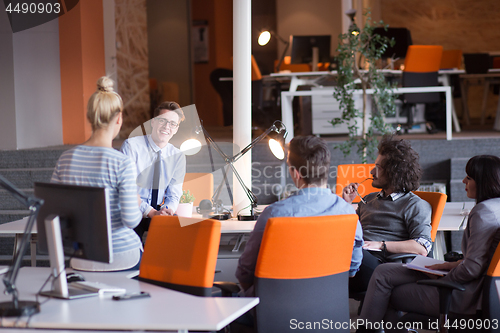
385 219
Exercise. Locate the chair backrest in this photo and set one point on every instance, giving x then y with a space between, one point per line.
286 65
200 184
437 201
181 258
355 173
476 63
423 58
491 302
302 270
451 59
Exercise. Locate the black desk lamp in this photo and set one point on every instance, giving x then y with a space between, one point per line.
277 133
18 308
265 37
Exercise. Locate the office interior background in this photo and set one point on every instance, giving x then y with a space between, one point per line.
49 71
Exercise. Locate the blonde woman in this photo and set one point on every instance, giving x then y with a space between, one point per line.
96 163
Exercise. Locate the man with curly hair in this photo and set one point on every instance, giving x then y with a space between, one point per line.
394 220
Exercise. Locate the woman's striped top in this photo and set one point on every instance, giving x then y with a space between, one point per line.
106 167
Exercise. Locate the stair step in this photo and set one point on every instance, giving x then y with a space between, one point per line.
24 178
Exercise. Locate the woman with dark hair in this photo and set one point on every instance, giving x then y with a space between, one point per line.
393 287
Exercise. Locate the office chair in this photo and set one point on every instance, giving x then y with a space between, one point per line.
355 173
200 184
490 307
437 201
451 59
302 271
422 64
181 258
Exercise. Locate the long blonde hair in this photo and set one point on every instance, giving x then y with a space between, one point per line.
104 104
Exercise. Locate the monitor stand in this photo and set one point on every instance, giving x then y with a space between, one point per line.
56 255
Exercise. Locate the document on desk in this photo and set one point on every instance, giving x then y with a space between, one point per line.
3 269
420 262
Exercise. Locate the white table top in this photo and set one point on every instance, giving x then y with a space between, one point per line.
451 219
227 227
164 310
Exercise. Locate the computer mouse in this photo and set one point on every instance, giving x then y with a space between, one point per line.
74 277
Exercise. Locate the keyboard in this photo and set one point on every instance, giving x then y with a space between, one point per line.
97 287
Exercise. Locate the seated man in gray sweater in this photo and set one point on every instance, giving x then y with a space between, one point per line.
394 220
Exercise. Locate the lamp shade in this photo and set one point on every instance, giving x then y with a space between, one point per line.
191 146
264 38
277 143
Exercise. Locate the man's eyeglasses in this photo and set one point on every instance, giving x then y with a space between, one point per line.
164 122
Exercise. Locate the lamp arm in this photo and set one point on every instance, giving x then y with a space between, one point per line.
287 44
251 196
34 205
277 127
214 144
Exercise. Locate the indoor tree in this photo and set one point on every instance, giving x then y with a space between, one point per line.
360 48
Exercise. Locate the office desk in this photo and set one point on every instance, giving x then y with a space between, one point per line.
164 310
450 221
287 109
232 226
17 229
492 77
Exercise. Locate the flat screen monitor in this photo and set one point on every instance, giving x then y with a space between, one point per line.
302 48
402 38
84 218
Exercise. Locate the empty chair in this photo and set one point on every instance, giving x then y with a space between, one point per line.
181 258
422 64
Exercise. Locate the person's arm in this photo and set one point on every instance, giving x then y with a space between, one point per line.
349 192
481 230
248 260
407 246
418 223
357 251
127 190
144 207
173 192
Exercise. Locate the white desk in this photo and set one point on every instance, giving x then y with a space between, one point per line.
450 221
287 109
16 228
164 310
232 226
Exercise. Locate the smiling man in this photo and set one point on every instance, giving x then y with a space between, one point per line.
160 166
394 220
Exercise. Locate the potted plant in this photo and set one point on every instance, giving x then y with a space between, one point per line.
357 48
185 208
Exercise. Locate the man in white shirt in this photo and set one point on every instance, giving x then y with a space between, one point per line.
160 166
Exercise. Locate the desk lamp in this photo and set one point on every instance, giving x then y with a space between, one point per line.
265 37
18 308
277 133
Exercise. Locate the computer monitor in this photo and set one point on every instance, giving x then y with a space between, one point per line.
402 38
74 221
302 47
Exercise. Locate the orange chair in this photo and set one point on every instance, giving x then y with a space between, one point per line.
303 270
437 201
422 64
451 59
200 184
181 258
355 173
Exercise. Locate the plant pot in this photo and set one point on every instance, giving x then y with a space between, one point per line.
185 209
